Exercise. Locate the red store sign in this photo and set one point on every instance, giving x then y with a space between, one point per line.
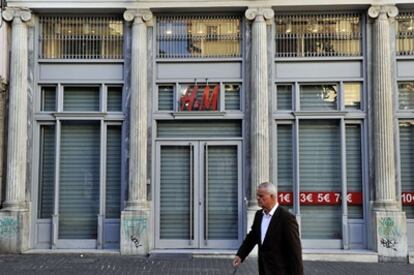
334 198
407 198
320 198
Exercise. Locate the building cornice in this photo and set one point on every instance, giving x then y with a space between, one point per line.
160 4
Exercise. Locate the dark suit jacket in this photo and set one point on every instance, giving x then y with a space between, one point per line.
281 251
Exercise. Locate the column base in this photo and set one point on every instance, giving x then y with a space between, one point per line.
136 205
135 230
14 231
14 206
390 238
384 206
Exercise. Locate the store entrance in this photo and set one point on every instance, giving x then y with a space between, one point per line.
198 195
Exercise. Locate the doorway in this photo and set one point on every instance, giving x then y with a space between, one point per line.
198 195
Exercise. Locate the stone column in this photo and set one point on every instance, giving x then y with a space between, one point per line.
260 157
14 214
259 98
3 100
389 222
135 218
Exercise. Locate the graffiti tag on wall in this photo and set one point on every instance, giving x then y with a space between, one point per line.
134 228
8 227
389 233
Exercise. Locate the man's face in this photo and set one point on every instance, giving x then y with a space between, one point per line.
264 199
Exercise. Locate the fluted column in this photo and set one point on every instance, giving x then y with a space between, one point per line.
135 225
259 98
137 184
384 161
17 123
389 223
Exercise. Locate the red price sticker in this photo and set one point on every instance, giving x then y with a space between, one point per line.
407 198
321 198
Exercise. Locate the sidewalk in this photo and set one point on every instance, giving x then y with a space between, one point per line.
171 264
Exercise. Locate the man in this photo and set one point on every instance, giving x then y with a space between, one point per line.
276 232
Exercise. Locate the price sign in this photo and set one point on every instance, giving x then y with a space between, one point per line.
320 198
407 198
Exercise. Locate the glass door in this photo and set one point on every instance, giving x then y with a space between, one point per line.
198 195
78 191
175 195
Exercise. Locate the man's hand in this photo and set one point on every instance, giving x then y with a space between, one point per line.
236 262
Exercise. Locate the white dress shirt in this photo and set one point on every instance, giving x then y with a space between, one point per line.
266 221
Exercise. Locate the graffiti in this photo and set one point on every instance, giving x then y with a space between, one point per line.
135 240
389 243
388 233
134 227
8 227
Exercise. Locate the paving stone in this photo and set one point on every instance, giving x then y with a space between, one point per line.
171 264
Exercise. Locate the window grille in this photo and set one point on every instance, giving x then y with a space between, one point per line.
81 38
318 35
198 37
405 34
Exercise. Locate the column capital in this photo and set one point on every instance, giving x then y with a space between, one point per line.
260 14
142 15
23 14
383 11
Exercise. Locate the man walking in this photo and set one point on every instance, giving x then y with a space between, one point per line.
276 232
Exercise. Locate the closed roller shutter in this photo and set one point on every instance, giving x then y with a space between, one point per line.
175 193
222 193
320 170
79 181
407 161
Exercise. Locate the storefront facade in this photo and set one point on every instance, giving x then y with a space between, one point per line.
146 127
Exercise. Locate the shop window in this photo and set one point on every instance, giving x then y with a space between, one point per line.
198 37
48 99
318 97
352 96
199 97
406 164
317 35
114 103
81 38
285 164
318 193
79 177
81 99
166 97
320 171
113 172
406 95
232 97
405 34
354 171
79 148
284 97
46 172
